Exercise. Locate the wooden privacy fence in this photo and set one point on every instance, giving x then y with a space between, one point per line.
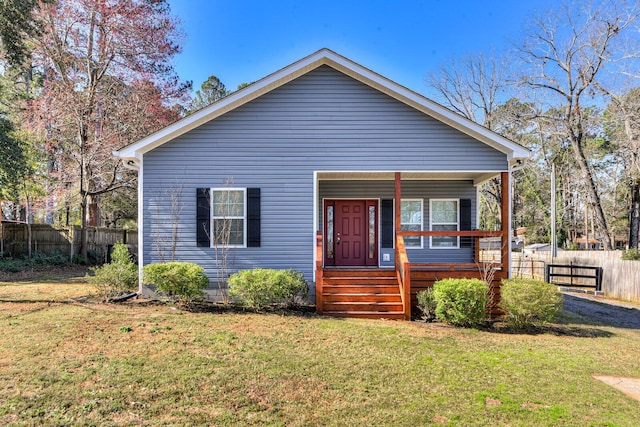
65 240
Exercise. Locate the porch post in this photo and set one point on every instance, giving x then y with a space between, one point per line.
398 197
505 223
396 212
403 270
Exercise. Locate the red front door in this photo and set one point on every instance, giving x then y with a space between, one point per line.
351 232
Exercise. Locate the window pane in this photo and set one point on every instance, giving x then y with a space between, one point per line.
411 212
444 241
229 232
410 227
412 241
448 227
444 211
228 203
411 220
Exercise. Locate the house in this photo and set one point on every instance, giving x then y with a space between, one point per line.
368 188
537 247
588 243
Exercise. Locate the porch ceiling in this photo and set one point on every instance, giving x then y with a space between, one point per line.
476 177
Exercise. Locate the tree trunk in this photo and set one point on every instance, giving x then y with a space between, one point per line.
28 218
83 228
590 185
634 215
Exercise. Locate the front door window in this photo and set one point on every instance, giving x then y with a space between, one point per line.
329 234
373 226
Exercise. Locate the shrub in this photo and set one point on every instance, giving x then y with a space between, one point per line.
118 277
185 281
461 302
427 304
11 265
56 258
529 302
259 287
38 261
631 255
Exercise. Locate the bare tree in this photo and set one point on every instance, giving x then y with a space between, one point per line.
226 203
567 54
174 194
474 87
622 122
161 241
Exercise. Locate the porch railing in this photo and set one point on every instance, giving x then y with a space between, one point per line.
404 266
475 234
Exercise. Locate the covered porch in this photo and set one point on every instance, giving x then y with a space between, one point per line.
390 291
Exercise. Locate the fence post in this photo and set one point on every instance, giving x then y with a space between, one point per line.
547 273
71 240
571 270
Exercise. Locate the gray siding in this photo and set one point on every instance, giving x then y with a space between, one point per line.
322 121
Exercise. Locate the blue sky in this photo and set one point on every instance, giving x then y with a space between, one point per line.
243 41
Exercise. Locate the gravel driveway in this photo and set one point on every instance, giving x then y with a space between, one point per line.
602 311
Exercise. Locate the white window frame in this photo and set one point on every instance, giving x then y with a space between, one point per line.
421 222
243 217
431 223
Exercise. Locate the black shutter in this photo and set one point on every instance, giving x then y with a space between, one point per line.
386 221
253 217
203 217
465 222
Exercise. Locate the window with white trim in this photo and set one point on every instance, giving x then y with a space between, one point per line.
411 220
229 217
444 216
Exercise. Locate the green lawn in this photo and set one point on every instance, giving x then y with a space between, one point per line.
81 363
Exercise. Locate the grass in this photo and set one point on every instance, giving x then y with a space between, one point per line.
72 363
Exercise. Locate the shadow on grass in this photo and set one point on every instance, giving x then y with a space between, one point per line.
557 329
580 317
300 310
567 324
597 313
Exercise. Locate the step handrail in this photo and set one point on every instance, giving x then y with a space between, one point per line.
403 273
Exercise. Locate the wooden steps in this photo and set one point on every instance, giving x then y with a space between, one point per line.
361 293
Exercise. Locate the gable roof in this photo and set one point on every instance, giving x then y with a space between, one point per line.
515 152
